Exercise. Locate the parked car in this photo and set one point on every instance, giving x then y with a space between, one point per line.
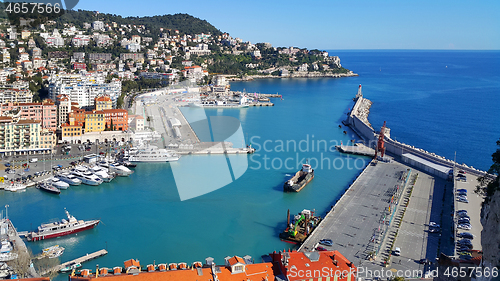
462 190
461 212
319 248
463 220
433 224
464 226
464 243
424 261
7 164
462 172
397 251
465 235
326 242
463 217
462 193
463 200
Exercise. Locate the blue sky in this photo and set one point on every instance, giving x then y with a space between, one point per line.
332 24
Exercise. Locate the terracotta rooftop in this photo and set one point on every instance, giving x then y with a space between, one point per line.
313 262
103 98
204 274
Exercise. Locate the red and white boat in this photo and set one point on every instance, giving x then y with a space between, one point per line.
61 228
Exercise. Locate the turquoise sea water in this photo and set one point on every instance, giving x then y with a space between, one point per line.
426 104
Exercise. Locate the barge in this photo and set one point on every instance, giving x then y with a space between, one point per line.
300 228
300 180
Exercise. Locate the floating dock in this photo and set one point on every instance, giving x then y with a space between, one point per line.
261 104
83 259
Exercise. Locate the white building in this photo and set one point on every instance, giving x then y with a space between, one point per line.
84 88
80 40
98 25
53 41
136 122
133 47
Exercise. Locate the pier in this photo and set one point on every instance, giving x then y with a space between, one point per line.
83 259
261 104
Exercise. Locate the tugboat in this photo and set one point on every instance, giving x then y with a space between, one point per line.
62 228
301 179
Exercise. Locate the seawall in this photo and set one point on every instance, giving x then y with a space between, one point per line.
357 120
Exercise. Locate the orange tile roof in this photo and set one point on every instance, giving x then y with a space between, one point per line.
68 125
253 272
113 110
234 260
103 98
131 262
177 275
313 263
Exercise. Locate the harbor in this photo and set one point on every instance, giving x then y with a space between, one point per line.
258 190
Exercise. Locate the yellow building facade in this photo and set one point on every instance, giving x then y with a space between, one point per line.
94 122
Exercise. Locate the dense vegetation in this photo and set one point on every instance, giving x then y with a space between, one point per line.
184 23
487 186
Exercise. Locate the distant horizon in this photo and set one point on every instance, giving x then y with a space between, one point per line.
335 25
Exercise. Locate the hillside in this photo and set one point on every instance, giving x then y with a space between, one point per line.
184 23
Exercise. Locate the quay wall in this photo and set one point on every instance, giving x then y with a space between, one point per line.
368 134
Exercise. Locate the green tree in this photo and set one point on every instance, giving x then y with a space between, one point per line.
487 184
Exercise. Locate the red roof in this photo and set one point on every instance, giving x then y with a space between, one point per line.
234 260
203 274
103 98
311 264
131 262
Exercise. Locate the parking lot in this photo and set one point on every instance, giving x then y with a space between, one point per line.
473 208
31 168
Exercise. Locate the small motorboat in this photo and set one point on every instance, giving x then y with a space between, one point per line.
48 188
71 267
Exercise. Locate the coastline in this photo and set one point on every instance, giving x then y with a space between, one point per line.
294 75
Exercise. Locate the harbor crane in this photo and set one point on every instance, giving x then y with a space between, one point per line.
380 143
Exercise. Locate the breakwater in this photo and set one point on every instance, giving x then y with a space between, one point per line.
295 75
357 120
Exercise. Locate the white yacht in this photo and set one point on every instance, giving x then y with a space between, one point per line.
68 178
102 173
116 168
151 153
58 183
85 176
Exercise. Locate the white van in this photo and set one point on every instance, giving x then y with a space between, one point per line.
33 160
397 251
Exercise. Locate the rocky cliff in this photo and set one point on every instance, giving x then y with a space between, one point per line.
490 236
